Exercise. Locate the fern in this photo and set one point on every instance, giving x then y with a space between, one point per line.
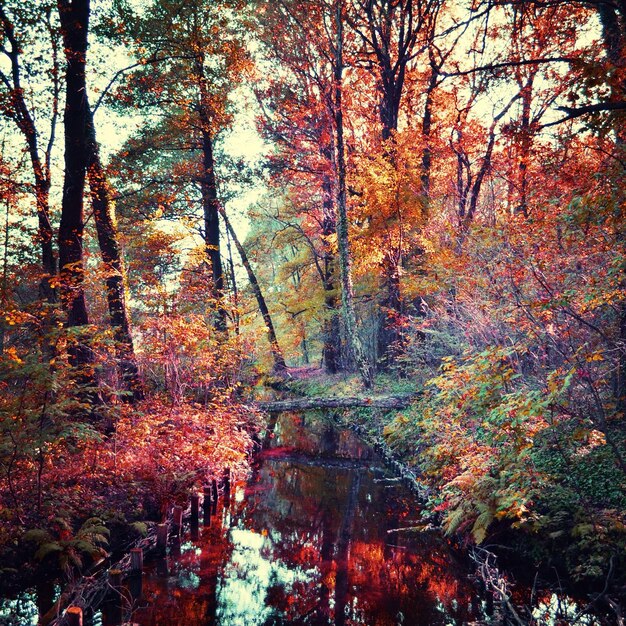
481 525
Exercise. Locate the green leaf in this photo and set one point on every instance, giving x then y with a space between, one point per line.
37 535
141 528
481 525
48 548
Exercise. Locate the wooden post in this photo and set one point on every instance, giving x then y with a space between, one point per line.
115 598
136 561
206 504
226 486
115 579
162 568
74 616
175 547
194 532
177 520
226 482
135 586
195 508
214 495
162 538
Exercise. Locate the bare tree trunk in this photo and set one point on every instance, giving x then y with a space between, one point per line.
427 123
210 201
4 287
526 90
210 204
233 285
115 272
347 294
74 18
279 360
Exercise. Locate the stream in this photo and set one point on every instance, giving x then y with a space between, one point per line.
318 534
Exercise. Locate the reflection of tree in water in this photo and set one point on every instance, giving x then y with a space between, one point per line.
343 551
310 547
185 585
336 518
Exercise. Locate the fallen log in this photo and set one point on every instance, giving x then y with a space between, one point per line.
398 401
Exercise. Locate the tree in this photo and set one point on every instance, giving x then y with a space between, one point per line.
16 107
296 117
393 34
315 129
343 243
74 18
114 264
279 359
190 58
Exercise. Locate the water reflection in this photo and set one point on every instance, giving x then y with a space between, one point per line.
314 538
307 543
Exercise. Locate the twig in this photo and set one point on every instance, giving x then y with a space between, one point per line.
492 578
607 582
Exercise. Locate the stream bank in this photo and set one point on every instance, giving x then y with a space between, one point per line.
321 533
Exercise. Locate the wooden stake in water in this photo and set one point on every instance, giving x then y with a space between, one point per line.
115 580
177 520
214 495
226 480
162 538
74 616
195 508
114 612
136 561
226 484
206 505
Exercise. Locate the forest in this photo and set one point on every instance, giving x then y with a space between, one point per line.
207 206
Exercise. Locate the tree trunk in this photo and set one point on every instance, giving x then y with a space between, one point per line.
279 360
331 350
427 123
613 20
390 337
41 170
233 285
525 145
115 272
347 295
74 18
4 286
210 201
210 206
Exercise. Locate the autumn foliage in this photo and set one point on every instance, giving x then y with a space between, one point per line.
439 200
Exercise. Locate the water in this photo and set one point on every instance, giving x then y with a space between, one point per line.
313 538
319 534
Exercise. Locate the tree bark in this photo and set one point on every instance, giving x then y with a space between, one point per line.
74 18
347 294
210 201
613 20
112 258
427 123
331 350
277 355
41 166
